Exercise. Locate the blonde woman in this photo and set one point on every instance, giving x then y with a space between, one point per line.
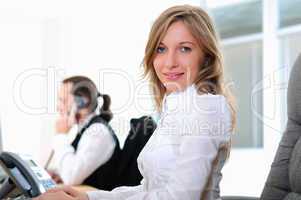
184 157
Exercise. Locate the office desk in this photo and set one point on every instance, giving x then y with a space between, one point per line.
84 188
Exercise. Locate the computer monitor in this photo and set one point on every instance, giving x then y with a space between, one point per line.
1 145
2 173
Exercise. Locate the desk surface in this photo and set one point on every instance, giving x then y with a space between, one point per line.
84 188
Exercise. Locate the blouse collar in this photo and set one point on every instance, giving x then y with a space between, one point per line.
86 121
176 100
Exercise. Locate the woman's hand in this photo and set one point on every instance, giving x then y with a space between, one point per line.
63 124
55 177
63 193
55 196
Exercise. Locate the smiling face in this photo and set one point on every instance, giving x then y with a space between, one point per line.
178 58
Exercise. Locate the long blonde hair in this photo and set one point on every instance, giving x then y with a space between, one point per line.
211 74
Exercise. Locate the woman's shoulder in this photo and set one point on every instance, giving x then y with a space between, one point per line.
98 129
210 108
203 101
209 103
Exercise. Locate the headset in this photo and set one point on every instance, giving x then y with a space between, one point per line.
80 102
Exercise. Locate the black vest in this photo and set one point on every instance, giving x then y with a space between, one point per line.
105 176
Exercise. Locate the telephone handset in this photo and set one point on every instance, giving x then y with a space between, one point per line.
25 177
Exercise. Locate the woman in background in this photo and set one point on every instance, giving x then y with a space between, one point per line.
184 157
85 160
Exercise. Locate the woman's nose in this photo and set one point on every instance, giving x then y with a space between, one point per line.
171 60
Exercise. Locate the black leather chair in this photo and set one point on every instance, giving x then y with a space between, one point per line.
284 180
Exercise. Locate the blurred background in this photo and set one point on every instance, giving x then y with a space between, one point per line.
42 42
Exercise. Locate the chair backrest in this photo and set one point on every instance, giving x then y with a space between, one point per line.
212 189
284 180
140 131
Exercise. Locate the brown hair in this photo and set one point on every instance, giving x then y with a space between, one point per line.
84 87
211 76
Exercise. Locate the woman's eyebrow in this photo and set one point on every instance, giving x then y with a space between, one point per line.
187 42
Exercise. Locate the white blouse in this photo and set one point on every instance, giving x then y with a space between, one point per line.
183 158
95 148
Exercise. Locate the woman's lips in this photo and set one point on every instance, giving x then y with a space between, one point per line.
173 76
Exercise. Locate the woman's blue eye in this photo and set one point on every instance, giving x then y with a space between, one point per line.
160 49
185 49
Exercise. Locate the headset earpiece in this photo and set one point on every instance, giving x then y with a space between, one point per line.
80 102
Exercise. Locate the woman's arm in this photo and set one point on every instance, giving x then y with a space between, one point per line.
186 181
69 193
118 193
63 193
95 148
190 175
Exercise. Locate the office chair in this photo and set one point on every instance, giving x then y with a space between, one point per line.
284 179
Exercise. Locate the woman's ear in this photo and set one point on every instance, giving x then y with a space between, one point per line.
207 61
81 102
